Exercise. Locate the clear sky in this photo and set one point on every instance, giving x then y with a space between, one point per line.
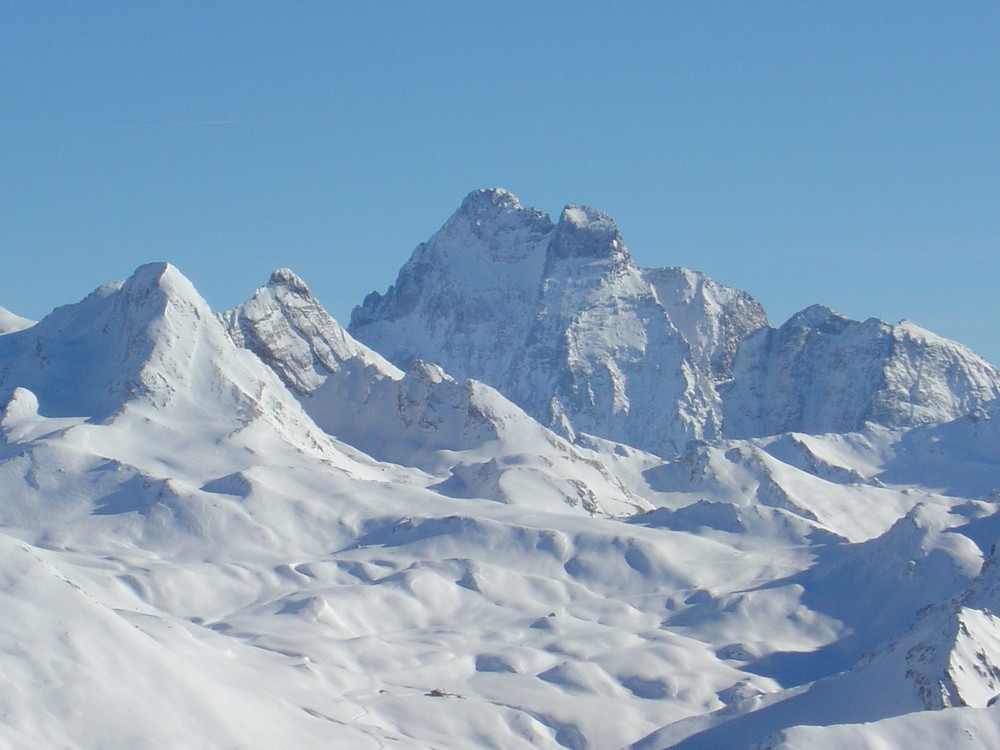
845 153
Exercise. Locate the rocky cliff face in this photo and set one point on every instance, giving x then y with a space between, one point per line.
821 372
559 319
465 432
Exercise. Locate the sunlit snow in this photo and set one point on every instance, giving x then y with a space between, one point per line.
247 529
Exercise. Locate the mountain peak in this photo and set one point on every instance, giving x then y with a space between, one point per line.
585 232
819 317
137 338
556 315
486 216
583 216
154 284
286 327
160 273
285 277
489 200
10 323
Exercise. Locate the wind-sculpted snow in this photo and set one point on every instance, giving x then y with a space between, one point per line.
250 530
883 591
962 457
560 320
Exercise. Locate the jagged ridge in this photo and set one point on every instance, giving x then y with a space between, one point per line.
559 319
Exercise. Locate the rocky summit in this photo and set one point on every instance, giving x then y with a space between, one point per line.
559 319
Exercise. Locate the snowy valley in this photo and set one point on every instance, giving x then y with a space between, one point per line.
534 496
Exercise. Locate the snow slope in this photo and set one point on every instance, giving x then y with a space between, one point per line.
474 441
9 322
189 501
250 530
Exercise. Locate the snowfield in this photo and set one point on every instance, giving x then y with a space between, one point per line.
651 520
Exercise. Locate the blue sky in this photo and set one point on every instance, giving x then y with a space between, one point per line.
846 153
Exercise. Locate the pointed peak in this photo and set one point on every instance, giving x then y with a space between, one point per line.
10 323
585 232
153 290
495 210
285 277
137 339
152 273
159 276
489 200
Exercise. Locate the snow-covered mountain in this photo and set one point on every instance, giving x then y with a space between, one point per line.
821 372
560 320
9 322
248 529
471 438
134 403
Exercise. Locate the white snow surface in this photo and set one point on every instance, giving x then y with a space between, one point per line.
249 530
9 322
470 438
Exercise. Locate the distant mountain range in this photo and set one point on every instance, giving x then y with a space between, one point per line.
535 497
559 318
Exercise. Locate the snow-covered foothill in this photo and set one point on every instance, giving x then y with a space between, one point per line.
957 729
894 598
473 440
